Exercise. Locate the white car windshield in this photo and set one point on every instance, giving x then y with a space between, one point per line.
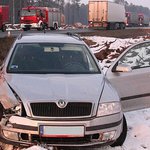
51 58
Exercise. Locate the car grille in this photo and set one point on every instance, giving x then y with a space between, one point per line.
28 21
79 140
72 109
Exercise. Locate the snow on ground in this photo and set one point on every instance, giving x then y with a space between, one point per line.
11 27
116 44
138 136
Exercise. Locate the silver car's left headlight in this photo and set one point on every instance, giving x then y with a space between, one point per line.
108 108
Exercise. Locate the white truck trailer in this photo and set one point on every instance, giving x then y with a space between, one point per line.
106 14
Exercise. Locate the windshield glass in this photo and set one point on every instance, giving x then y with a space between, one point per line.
29 12
52 58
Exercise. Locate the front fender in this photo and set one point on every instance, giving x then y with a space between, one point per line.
109 93
7 98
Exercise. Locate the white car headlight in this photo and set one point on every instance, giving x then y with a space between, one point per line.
108 108
18 109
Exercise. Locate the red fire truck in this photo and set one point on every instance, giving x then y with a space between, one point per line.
4 16
40 17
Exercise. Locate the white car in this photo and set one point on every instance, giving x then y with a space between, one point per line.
130 75
53 93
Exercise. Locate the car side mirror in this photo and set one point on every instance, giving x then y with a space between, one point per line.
123 68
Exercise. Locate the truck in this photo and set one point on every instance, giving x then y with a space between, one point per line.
106 14
4 17
144 20
134 19
39 18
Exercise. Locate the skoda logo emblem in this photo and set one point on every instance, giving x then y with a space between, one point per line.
61 104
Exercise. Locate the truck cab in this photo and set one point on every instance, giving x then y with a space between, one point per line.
33 17
40 18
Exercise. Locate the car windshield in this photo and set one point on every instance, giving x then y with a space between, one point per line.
28 12
52 58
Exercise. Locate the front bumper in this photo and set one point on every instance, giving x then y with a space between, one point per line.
31 25
21 131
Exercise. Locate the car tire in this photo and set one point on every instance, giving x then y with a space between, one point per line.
25 29
3 28
122 137
122 26
41 27
55 26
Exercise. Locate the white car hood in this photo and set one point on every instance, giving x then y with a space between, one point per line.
38 88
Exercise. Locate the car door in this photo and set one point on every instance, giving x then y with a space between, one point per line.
132 86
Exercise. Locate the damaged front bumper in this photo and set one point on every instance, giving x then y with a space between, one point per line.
22 131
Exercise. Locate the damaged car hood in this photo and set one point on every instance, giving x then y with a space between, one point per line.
35 88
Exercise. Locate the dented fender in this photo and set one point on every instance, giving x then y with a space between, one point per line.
7 97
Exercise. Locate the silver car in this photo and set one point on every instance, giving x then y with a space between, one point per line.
53 93
130 75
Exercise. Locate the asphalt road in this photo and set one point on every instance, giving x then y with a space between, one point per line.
15 33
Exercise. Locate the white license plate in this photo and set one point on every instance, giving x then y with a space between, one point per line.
61 131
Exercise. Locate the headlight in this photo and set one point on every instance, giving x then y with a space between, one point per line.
18 109
108 108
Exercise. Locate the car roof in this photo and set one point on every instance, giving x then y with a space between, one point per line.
49 38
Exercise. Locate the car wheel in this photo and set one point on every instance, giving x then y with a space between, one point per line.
122 137
25 29
122 26
3 28
41 27
55 26
45 26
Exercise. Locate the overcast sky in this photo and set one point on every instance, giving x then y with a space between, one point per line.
145 3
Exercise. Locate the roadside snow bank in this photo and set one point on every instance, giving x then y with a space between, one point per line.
107 49
138 130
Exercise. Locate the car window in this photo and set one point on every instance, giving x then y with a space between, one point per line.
29 12
137 57
51 58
